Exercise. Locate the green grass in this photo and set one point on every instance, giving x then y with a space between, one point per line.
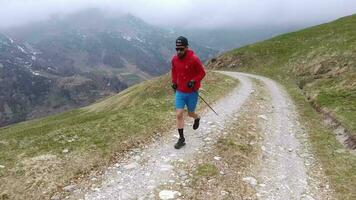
131 79
206 170
229 143
340 167
320 59
93 135
318 63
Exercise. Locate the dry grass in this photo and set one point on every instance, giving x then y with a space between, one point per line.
35 165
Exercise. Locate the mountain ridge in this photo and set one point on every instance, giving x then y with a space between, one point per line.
77 59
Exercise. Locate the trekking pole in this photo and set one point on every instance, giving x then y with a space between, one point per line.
208 105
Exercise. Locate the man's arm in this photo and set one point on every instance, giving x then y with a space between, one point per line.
174 78
173 74
200 69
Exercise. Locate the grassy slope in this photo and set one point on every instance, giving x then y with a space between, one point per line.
32 152
322 62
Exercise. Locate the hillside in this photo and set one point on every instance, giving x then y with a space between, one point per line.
317 67
30 87
320 60
40 156
70 61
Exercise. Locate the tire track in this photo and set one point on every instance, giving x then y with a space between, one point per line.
288 169
286 162
138 176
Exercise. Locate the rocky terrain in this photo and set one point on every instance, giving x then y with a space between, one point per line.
31 87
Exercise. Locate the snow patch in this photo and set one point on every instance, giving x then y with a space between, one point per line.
128 38
22 50
12 41
35 73
139 39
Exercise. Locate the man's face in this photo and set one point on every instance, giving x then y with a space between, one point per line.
181 51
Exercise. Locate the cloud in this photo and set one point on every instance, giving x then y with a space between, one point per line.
187 13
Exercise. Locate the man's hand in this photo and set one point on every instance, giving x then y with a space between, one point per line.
174 87
191 84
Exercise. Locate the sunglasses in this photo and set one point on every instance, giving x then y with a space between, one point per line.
180 48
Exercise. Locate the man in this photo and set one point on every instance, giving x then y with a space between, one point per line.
187 73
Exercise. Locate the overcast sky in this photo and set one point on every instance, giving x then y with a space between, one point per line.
188 13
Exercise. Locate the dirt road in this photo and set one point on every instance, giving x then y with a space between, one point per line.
286 170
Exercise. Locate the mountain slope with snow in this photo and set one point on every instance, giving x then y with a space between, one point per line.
71 61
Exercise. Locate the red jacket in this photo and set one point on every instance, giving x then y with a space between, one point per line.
186 69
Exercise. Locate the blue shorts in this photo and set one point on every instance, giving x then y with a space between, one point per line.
189 99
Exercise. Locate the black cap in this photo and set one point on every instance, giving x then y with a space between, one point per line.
181 41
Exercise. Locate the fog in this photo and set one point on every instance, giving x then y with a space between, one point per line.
187 13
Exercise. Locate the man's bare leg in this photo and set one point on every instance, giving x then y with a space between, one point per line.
180 119
196 119
180 126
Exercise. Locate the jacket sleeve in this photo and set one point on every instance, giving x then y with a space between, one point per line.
200 69
174 73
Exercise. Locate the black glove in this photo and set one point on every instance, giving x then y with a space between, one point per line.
174 87
191 84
